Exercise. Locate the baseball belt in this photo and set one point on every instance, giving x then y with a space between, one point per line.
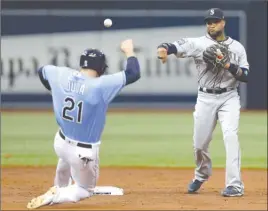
73 142
216 90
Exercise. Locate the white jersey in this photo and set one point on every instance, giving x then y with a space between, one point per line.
194 47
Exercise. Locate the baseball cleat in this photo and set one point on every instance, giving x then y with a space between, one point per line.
42 200
194 186
232 191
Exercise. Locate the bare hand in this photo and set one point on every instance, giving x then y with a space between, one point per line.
162 54
127 47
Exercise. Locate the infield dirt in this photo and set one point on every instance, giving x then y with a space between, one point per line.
145 188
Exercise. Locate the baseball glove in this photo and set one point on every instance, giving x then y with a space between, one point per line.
216 55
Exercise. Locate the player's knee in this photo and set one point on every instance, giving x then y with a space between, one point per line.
230 134
79 193
202 143
75 198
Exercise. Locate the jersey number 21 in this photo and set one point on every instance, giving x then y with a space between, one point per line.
72 105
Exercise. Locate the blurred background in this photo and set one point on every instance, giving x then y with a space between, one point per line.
36 33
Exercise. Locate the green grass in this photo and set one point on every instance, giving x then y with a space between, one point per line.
132 139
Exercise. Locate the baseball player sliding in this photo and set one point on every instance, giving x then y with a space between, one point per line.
221 63
80 101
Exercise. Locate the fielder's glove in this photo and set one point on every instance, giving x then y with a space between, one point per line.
216 55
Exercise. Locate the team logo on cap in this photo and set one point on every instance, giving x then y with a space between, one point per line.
211 12
92 55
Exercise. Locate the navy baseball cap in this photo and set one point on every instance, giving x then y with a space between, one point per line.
214 13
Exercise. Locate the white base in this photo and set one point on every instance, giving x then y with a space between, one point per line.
108 190
105 190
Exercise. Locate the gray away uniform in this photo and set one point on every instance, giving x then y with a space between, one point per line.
211 107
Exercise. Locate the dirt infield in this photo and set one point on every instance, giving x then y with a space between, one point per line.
145 188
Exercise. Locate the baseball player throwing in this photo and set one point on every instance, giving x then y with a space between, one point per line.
221 63
80 101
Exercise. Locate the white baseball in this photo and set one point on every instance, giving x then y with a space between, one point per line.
108 22
219 53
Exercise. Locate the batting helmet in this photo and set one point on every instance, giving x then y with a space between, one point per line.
93 59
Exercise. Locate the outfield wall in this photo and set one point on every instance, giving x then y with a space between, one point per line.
45 32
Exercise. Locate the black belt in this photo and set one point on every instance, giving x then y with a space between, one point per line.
216 90
78 144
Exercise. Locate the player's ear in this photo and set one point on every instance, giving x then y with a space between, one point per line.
223 23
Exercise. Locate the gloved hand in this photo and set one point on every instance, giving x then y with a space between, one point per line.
217 55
